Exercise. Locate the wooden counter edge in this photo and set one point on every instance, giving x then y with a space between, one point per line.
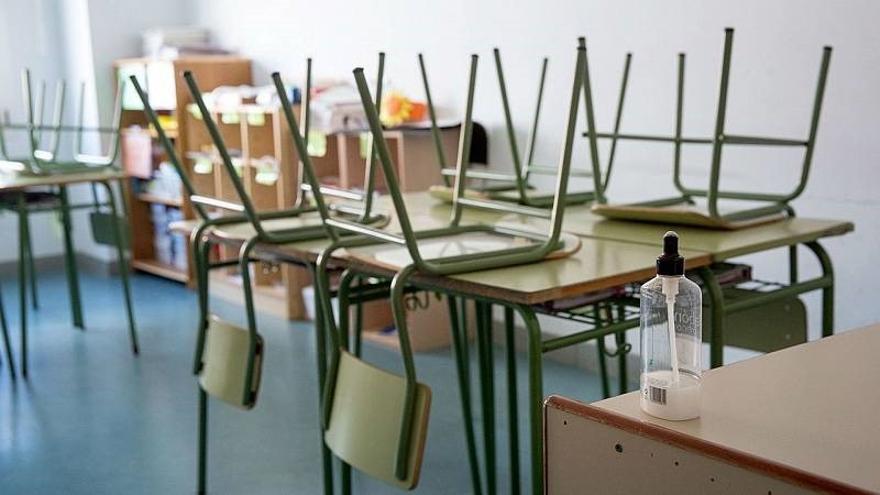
685 442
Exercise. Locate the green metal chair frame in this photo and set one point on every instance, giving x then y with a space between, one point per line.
778 203
366 197
244 213
43 161
523 167
541 246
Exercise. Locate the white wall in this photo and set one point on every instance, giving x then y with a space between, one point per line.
28 38
75 40
775 62
96 33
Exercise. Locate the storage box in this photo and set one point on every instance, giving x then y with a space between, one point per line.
137 152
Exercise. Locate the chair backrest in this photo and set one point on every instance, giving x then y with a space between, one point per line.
232 363
364 428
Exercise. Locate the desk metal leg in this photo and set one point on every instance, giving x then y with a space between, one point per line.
345 281
623 348
458 320
5 329
827 290
123 269
358 323
513 419
603 366
22 282
536 396
70 260
487 388
716 315
321 360
31 266
202 486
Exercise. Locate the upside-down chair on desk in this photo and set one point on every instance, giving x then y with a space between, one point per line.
739 305
682 209
512 187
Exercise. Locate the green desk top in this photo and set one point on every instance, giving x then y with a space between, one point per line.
612 252
14 182
599 264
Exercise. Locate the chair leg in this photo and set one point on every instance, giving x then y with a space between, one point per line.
345 284
22 282
123 270
487 389
459 333
623 348
536 396
3 327
202 443
70 261
513 427
603 367
31 266
358 324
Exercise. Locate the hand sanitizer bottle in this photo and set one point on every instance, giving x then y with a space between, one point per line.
671 334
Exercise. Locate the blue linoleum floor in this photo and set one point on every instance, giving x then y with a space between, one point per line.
93 419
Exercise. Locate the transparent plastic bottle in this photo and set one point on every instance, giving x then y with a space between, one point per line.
670 375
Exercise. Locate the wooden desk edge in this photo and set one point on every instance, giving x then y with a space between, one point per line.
839 229
685 442
64 179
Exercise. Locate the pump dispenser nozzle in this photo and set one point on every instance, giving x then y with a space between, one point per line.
670 267
670 262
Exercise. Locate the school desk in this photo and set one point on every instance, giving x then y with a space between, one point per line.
600 263
15 182
799 420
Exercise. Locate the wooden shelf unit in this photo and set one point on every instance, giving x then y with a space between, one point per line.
163 80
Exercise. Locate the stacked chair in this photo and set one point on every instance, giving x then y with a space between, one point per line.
682 209
107 226
514 187
356 393
228 358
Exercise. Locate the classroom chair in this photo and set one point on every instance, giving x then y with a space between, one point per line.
226 354
682 209
405 401
513 187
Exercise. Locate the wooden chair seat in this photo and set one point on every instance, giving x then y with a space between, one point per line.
464 243
680 214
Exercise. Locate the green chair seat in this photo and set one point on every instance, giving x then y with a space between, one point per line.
225 359
462 244
364 426
680 214
305 222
